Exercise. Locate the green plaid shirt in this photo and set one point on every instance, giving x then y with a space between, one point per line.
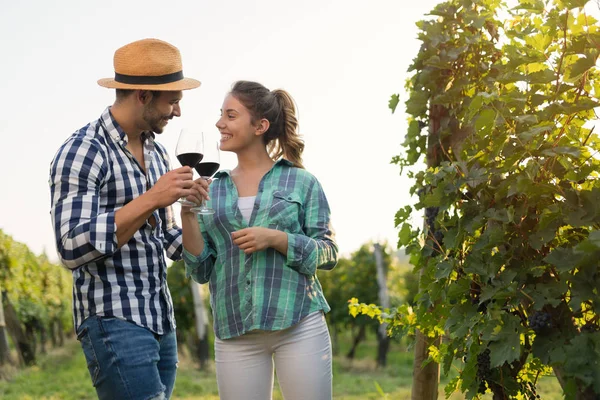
265 290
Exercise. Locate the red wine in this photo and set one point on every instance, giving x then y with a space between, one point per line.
207 168
189 159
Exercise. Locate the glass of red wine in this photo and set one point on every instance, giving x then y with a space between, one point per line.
206 168
189 152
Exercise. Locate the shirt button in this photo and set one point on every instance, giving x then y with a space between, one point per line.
248 282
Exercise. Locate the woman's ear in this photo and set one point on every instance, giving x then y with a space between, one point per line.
262 126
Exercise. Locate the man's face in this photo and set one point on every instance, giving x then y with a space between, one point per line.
162 108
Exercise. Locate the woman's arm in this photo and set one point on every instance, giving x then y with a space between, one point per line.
305 253
317 248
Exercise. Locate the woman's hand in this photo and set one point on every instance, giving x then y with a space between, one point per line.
257 238
199 194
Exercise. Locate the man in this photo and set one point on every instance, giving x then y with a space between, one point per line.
111 192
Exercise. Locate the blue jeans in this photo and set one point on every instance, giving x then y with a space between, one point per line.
127 361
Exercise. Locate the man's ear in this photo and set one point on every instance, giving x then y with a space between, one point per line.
143 96
262 126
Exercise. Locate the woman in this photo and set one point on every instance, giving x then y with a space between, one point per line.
260 252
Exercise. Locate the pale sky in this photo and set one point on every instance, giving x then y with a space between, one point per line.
341 60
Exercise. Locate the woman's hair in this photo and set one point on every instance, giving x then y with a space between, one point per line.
277 107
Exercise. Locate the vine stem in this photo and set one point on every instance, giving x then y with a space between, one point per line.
526 295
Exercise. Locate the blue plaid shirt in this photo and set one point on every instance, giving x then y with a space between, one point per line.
91 176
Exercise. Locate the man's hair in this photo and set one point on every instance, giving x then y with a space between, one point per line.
122 94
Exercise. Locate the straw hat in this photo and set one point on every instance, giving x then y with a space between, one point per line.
148 64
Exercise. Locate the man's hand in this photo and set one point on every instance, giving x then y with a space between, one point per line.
172 186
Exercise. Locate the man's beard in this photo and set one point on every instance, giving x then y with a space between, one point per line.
153 119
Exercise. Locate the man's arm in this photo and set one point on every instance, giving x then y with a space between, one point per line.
83 234
170 187
174 241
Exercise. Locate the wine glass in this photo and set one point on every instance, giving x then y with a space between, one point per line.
206 168
189 152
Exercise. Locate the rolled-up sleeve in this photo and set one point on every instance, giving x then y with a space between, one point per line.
200 267
316 249
172 239
82 233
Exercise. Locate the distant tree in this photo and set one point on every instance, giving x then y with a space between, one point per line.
183 302
202 326
355 277
34 292
4 349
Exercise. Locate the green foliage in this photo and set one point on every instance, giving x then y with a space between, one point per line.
394 102
513 190
350 276
357 277
62 375
409 285
39 290
181 294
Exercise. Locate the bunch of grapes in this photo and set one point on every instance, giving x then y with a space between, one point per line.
430 215
439 240
540 321
482 387
438 237
484 370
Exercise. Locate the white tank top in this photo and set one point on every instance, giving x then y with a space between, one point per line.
246 204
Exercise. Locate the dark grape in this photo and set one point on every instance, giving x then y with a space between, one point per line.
482 387
474 293
540 321
430 215
484 370
482 308
589 327
431 212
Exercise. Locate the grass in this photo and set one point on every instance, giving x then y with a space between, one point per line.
62 375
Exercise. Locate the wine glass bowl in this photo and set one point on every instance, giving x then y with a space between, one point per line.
189 152
206 168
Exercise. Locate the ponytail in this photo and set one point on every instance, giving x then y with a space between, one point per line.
289 144
277 106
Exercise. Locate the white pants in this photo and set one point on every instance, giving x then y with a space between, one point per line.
302 358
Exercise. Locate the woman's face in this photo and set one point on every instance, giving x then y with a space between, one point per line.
235 125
